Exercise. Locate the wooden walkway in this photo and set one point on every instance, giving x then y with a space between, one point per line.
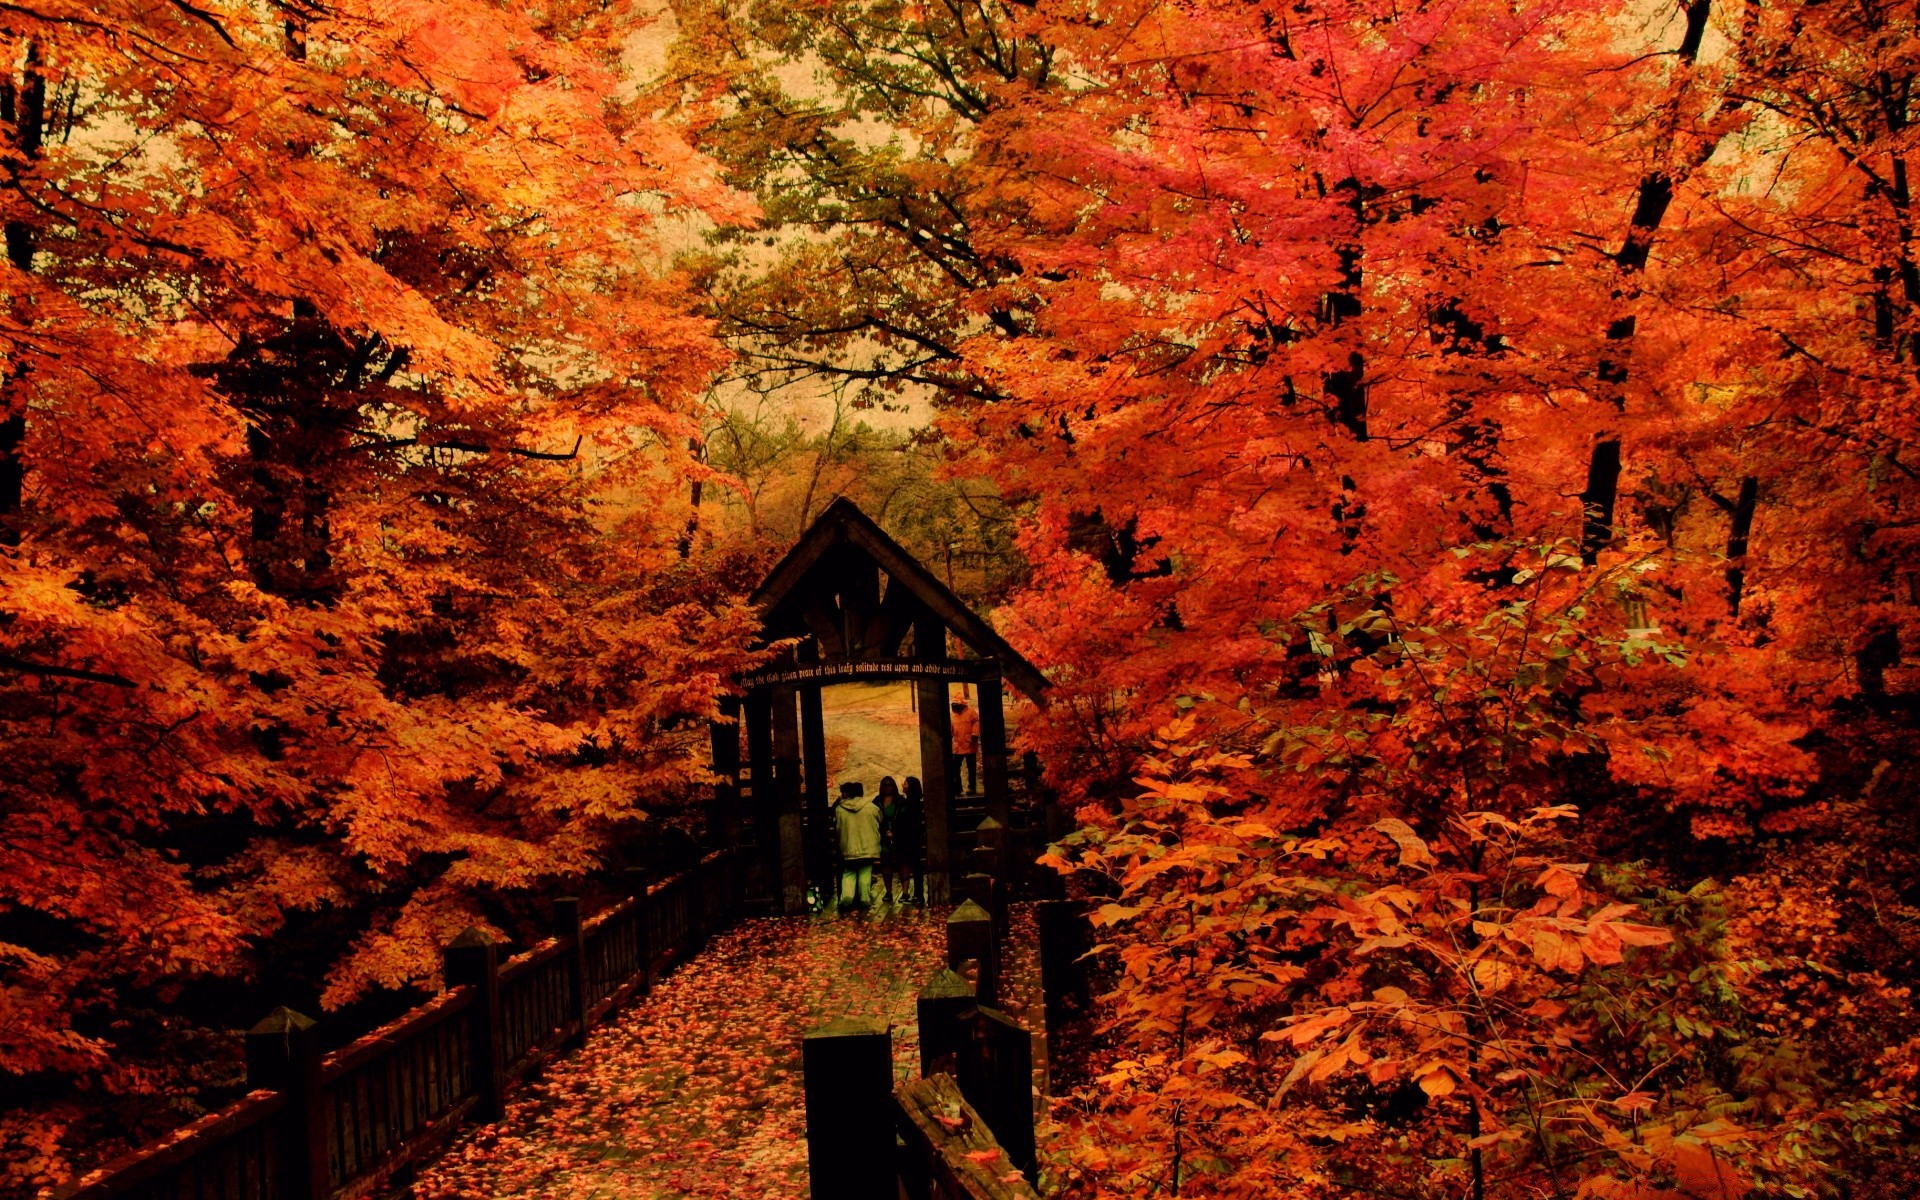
695 1090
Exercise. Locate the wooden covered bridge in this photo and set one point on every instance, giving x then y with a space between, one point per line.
848 604
376 1116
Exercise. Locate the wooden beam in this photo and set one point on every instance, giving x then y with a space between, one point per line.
825 622
893 620
844 524
792 877
765 810
936 740
993 755
817 822
952 611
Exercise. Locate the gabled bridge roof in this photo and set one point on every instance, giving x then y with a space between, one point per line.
860 595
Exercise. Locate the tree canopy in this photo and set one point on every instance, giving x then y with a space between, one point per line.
1451 459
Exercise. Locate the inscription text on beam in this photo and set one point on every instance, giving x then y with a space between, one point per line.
869 668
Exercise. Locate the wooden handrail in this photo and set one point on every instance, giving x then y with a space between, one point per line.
610 913
395 1033
208 1134
530 958
949 1147
132 1169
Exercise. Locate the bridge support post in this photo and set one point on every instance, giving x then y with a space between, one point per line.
791 882
970 939
566 910
936 736
283 1053
1063 976
472 960
639 886
993 755
847 1068
723 819
990 894
996 1077
817 825
765 813
941 1009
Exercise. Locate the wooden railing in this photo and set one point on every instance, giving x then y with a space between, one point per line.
347 1124
945 1149
964 1130
398 1090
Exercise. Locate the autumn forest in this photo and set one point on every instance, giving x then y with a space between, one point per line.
1451 460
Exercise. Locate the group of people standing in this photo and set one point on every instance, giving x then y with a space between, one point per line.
886 835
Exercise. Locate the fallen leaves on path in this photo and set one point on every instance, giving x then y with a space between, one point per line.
695 1090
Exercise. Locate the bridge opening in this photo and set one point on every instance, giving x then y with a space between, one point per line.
849 606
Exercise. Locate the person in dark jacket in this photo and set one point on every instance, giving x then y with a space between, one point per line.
887 800
857 822
910 840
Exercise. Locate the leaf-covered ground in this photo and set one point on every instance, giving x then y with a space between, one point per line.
695 1089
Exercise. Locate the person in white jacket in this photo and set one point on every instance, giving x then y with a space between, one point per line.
857 821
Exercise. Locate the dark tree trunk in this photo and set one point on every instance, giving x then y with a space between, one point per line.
687 536
302 388
1649 210
1597 501
1743 506
23 106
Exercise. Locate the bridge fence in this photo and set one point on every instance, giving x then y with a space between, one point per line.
351 1123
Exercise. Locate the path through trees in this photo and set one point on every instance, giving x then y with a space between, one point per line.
695 1090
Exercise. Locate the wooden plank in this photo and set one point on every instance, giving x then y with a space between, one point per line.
824 621
189 1141
952 611
389 1038
533 956
894 620
787 800
940 1126
611 913
414 1151
936 734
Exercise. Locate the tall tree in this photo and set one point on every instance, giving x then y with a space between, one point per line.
343 383
1316 331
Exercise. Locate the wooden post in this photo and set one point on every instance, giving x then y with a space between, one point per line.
996 1077
987 892
970 939
792 877
764 870
942 1004
723 824
729 885
566 910
637 884
993 753
283 1053
989 847
696 885
813 770
936 741
1063 977
472 960
847 1068
990 858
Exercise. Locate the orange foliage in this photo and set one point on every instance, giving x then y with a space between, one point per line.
342 381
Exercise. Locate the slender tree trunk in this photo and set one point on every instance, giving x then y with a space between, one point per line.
698 449
1657 187
23 106
1743 506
